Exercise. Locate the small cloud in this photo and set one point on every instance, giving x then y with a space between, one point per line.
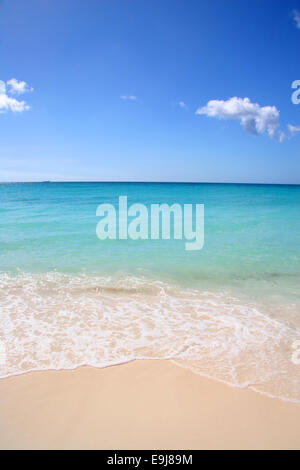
128 97
293 130
282 137
18 87
296 16
11 104
254 118
2 87
7 103
182 105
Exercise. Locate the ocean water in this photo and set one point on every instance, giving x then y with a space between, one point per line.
230 311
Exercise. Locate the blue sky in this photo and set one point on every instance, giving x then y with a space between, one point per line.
175 57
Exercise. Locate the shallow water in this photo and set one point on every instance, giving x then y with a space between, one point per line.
230 311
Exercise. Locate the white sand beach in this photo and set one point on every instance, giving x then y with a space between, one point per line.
140 405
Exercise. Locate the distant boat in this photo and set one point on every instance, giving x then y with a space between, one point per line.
46 182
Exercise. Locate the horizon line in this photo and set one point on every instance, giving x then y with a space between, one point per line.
145 182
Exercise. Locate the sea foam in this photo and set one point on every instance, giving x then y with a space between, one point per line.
58 321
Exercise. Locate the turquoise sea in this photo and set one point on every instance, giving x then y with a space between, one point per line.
230 311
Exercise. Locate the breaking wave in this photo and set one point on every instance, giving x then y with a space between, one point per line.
58 321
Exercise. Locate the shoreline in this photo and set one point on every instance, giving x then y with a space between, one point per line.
152 359
143 404
58 321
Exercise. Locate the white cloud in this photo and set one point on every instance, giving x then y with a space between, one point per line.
11 104
254 118
128 97
7 103
293 129
282 137
296 14
182 104
18 87
2 87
